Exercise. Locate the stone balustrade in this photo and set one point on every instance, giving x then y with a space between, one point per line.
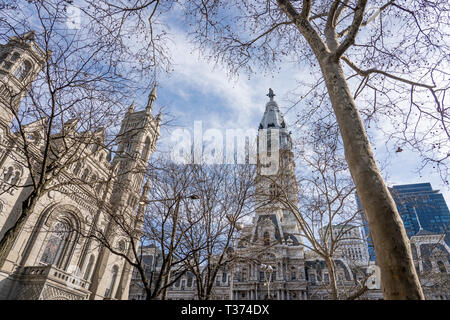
50 272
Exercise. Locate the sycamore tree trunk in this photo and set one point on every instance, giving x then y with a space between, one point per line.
393 253
398 275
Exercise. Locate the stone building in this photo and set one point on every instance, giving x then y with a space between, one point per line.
352 248
431 256
273 262
50 259
270 259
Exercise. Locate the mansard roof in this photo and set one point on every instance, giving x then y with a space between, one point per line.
272 117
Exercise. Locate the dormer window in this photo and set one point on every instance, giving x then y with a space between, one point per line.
15 56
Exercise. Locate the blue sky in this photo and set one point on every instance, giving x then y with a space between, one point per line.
198 91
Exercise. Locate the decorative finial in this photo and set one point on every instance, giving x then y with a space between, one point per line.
271 94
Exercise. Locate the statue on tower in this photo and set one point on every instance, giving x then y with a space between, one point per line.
271 94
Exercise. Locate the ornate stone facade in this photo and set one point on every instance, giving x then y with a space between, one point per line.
271 262
50 259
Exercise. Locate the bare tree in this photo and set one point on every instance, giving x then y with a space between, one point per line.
72 108
172 199
401 54
225 197
326 211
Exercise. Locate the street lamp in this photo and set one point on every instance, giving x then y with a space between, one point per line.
267 271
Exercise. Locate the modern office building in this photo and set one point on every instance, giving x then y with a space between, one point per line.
421 208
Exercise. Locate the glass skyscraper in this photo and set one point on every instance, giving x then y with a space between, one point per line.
420 207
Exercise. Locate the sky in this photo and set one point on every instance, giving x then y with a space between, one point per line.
196 90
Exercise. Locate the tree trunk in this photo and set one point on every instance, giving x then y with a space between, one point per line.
332 275
11 234
398 275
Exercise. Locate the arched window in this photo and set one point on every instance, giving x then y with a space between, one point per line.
99 187
146 150
441 267
112 282
3 56
57 244
8 173
23 70
85 174
89 266
12 175
121 246
244 274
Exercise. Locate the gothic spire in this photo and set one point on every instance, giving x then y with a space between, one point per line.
272 117
151 99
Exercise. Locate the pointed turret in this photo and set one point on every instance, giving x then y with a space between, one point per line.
273 119
21 59
143 201
151 99
131 108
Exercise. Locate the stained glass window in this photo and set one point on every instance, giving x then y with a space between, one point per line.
55 243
